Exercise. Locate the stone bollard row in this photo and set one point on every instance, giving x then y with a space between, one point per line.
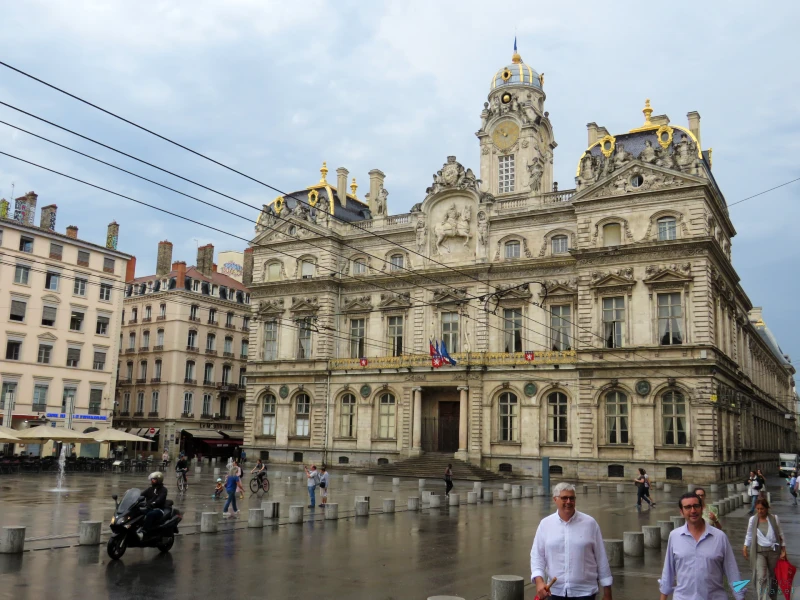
528 491
89 533
516 491
615 551
501 494
506 487
216 471
472 497
599 489
659 485
666 529
633 543
370 479
272 509
477 486
488 496
362 509
435 501
508 587
296 513
677 521
388 505
585 489
667 487
331 512
255 517
540 490
421 483
426 496
691 487
620 488
715 488
652 536
395 481
209 522
454 499
413 503
198 470
346 478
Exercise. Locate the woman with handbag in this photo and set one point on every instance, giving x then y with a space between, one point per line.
764 544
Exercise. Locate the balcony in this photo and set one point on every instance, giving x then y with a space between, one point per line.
224 386
158 348
144 348
230 326
155 380
227 354
152 413
147 320
133 321
472 359
138 413
125 413
142 380
187 416
190 381
240 417
208 382
124 381
222 418
213 322
192 349
246 328
243 356
195 319
39 407
211 352
206 416
161 318
130 350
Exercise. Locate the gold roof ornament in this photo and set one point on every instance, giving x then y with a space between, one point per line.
648 124
324 173
354 187
516 58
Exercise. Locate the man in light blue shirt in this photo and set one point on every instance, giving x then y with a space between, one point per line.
793 487
697 556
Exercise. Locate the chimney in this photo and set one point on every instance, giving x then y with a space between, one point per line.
130 269
247 268
592 129
205 259
180 275
25 207
376 178
341 185
164 258
213 267
72 232
694 124
48 218
112 236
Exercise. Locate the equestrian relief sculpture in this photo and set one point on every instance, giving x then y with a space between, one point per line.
456 224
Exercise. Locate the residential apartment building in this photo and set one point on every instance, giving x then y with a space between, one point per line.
62 306
183 356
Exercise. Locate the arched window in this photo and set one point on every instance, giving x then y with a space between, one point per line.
143 371
344 460
189 374
347 416
308 268
187 403
559 244
157 372
396 261
159 339
673 414
302 415
557 418
667 228
208 374
612 234
268 415
512 249
191 340
616 470
674 473
386 417
273 271
162 310
617 418
508 417
211 343
146 339
359 267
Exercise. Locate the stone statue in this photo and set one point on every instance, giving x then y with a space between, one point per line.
421 234
535 173
514 103
468 180
381 202
301 211
665 158
648 155
686 154
455 224
453 175
621 157
485 114
483 229
590 171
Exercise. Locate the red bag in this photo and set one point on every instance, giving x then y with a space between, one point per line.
784 573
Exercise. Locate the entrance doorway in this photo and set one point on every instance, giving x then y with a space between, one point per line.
440 419
449 413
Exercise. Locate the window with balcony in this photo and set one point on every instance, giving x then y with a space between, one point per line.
40 397
22 274
208 374
95 401
143 371
162 311
670 319
154 402
193 311
129 370
240 409
157 371
613 321
145 340
211 342
148 312
228 347
131 341
187 402
191 340
560 323
242 377
450 333
160 338
226 375
189 372
212 316
245 323
140 403
126 403
396 335
229 320
49 314
244 349
512 329
207 402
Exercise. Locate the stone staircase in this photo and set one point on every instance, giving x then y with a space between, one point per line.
431 465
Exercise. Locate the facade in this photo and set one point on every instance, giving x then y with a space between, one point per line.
603 327
232 264
62 303
183 357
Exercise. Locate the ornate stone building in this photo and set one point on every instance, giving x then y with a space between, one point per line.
603 326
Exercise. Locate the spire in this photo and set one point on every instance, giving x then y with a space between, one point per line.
354 187
516 58
647 112
324 172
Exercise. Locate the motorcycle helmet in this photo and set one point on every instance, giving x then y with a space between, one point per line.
157 475
219 480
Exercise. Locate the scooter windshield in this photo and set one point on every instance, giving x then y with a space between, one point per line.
130 498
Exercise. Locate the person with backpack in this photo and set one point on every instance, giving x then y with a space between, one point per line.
643 489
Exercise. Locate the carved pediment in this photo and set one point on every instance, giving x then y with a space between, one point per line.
453 175
290 226
304 305
559 288
668 276
513 292
270 307
617 281
51 298
637 177
450 296
395 301
47 336
357 304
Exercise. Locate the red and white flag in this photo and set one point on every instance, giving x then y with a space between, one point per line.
364 362
436 362
529 355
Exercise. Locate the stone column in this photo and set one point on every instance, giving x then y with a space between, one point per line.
416 443
462 423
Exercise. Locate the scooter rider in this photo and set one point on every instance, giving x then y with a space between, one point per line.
156 498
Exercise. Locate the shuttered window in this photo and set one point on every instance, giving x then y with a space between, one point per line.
73 357
18 310
49 316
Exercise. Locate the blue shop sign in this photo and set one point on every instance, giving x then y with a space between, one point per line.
78 417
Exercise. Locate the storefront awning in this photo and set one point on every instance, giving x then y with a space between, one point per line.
151 432
204 434
221 443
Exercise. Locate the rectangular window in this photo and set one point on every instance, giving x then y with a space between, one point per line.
386 418
73 357
26 244
126 403
108 265
308 269
505 174
83 258
670 319
187 403
143 370
206 404
242 377
56 251
304 338
396 335
68 400
667 229
51 281
162 311
226 375
105 291
40 397
191 340
212 316
76 321
49 316
612 234
131 341
274 272
229 320
302 416
95 400
193 313
396 261
157 372
99 362
160 338
45 350
18 308
13 349
22 274
189 374
450 334
512 328
154 402
208 374
271 340
347 416
228 346
8 394
268 415
357 337
102 325
613 321
140 402
560 316
512 249
244 349
79 288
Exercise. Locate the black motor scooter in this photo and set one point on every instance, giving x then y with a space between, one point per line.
129 517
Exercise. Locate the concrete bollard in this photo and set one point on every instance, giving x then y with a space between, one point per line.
508 587
740 487
421 484
89 533
454 499
727 503
516 491
666 529
501 494
585 489
677 521
746 499
506 487
362 499
472 497
615 551
540 490
488 496
738 500
691 487
276 474
425 496
346 478
362 509
272 510
721 510
435 501
528 491
395 481
209 522
477 486
731 487
652 536
599 489
388 505
769 497
255 517
370 479
296 513
413 503
198 470
331 512
633 543
216 471
715 488
620 488
659 485
667 487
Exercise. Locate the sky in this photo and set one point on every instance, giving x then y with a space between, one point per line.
275 88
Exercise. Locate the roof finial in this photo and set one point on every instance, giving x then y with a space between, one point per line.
516 58
324 172
647 112
354 187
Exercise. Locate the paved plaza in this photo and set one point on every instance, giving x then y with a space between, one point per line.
406 555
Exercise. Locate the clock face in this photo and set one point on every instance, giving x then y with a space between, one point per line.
505 135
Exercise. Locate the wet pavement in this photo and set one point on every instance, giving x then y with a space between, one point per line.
406 555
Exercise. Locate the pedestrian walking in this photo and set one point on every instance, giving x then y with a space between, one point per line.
642 490
764 544
243 458
164 460
239 473
753 487
312 481
568 546
709 512
324 485
231 483
793 487
762 491
448 480
698 556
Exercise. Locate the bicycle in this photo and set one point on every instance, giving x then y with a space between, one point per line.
182 484
254 487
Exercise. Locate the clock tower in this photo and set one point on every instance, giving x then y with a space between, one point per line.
516 137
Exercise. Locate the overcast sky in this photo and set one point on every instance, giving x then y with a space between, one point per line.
275 88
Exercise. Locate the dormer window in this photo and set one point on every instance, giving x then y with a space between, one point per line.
396 261
560 244
667 229
505 174
512 249
359 267
195 285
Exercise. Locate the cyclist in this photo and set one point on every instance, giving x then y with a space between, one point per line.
260 470
183 468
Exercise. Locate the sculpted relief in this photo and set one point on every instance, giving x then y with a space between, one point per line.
454 225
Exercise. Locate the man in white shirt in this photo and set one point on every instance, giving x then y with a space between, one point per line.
569 546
